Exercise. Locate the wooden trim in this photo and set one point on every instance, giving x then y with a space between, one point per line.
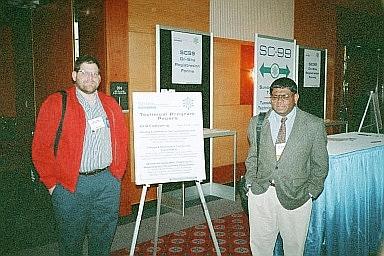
117 69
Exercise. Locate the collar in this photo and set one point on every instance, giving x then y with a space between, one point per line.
291 115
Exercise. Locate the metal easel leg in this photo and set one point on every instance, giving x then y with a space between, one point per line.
159 191
209 221
138 220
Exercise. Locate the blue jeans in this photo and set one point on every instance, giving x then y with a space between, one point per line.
92 209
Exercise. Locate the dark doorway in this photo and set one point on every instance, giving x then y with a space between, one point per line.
362 38
25 211
364 74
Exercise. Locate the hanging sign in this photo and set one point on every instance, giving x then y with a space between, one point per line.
186 58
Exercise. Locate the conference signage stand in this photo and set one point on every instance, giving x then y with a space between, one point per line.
158 208
374 100
168 147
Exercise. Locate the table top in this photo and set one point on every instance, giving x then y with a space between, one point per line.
353 141
211 133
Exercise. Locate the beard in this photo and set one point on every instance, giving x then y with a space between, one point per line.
88 88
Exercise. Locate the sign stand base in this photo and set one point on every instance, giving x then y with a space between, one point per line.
373 98
138 219
159 192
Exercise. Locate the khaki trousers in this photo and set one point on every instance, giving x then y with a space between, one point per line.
267 218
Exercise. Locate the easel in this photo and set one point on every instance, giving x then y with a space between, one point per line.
160 118
159 192
373 98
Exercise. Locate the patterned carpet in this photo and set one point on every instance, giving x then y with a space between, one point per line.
231 232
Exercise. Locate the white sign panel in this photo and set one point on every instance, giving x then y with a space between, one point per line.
186 58
168 137
312 64
274 58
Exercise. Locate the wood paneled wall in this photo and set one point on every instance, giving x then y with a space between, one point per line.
117 70
228 113
92 33
52 48
247 73
143 16
315 26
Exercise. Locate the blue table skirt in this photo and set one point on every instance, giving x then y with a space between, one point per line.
348 217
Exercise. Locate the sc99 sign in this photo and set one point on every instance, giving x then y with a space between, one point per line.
272 51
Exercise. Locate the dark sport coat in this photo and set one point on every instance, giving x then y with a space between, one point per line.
303 166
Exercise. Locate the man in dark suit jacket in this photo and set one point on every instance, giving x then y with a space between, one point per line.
286 174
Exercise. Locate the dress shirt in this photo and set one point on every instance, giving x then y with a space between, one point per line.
275 122
97 150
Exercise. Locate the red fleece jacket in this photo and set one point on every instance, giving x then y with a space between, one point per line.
64 168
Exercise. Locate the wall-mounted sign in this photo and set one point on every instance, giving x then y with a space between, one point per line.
312 62
186 58
312 79
119 90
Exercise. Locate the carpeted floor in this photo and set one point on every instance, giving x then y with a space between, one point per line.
231 232
170 223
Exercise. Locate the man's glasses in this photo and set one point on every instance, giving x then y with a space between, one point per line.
87 73
284 97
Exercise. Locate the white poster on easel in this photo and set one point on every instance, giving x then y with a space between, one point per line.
168 137
186 58
274 58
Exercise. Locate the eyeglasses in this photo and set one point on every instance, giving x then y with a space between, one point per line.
284 97
87 73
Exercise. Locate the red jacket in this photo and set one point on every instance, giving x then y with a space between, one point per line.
64 168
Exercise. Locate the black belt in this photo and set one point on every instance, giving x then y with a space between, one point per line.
93 172
271 184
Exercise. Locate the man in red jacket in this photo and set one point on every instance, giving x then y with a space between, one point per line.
84 174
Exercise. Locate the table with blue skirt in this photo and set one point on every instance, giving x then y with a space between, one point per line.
348 217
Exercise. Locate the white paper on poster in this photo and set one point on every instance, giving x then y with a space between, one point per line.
168 137
274 58
186 58
312 64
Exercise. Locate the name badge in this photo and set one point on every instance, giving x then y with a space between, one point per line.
96 123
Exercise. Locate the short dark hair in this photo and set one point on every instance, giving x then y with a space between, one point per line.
86 59
284 82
